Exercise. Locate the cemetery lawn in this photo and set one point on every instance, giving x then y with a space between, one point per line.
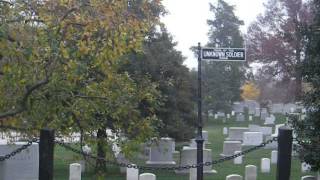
63 158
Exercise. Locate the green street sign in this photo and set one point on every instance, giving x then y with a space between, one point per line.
223 54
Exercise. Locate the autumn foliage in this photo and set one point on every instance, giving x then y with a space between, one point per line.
250 91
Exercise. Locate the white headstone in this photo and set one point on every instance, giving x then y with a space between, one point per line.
251 172
265 165
161 153
237 160
75 171
305 167
205 136
270 120
252 138
274 157
240 117
234 177
86 149
225 131
264 114
132 173
147 176
228 116
308 178
250 118
189 156
229 147
257 112
26 162
232 113
236 133
193 174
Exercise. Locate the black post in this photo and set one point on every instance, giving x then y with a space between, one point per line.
199 138
46 146
284 153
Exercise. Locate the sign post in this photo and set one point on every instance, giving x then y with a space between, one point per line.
213 54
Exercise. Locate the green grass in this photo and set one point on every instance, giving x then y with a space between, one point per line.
63 158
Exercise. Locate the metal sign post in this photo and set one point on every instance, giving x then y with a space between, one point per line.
199 138
214 54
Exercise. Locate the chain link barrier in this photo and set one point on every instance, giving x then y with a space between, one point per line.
169 168
18 150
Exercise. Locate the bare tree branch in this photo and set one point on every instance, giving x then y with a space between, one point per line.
6 2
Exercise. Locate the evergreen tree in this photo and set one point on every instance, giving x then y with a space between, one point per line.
308 133
161 63
222 80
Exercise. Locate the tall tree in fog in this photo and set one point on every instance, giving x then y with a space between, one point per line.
222 80
277 41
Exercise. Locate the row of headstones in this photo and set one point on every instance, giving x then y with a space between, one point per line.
132 173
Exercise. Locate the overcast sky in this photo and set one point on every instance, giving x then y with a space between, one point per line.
187 21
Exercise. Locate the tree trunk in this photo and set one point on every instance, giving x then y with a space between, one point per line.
101 153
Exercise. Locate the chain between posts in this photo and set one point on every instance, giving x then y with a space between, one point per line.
18 150
178 168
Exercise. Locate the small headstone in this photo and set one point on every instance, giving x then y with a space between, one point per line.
252 138
193 174
264 114
237 160
250 118
161 153
205 136
240 117
274 157
225 131
75 171
265 165
189 156
215 116
229 147
228 116
236 133
305 167
232 113
308 178
251 172
147 176
221 114
270 120
257 112
234 177
132 173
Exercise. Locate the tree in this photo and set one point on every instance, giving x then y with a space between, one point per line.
60 69
277 41
222 80
250 91
307 130
163 65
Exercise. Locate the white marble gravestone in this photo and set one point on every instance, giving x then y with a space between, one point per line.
225 131
132 173
229 147
250 118
189 157
75 171
193 174
26 162
252 138
308 178
251 172
270 120
240 117
257 112
228 116
264 114
233 113
265 165
147 176
236 133
237 160
234 177
274 157
205 136
161 153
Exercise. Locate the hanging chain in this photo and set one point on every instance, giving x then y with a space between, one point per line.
178 168
18 150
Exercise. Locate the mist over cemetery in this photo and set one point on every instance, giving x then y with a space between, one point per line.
98 90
